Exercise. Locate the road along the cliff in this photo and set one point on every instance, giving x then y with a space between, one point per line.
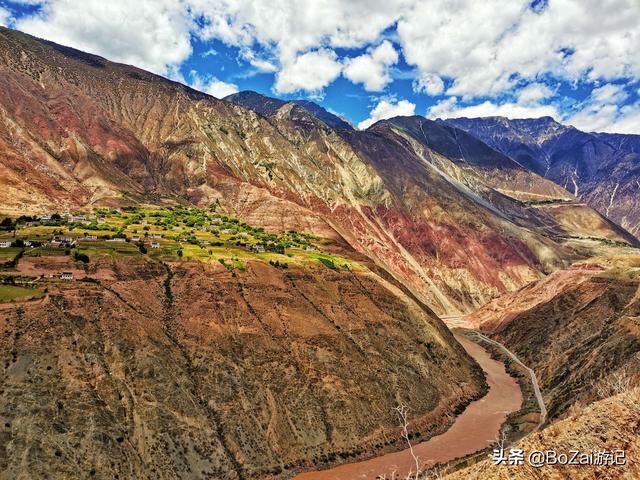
532 374
473 430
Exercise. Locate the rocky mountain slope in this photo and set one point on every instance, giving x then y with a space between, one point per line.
267 106
184 370
601 169
609 425
79 131
575 328
421 163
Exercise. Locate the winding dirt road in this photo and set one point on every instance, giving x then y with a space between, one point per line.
474 429
532 375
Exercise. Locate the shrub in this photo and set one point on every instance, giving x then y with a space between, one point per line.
81 257
327 262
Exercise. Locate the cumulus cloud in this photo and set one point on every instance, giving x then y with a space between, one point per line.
372 68
291 27
534 93
452 108
484 47
151 34
428 83
310 72
5 15
601 112
609 93
388 108
211 85
474 51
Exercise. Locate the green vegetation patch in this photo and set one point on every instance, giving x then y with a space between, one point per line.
12 293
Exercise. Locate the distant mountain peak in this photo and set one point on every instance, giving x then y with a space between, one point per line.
268 106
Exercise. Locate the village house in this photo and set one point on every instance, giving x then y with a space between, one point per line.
5 243
258 248
216 221
117 239
91 237
66 275
226 231
45 217
155 244
101 221
135 238
204 242
67 242
27 243
155 235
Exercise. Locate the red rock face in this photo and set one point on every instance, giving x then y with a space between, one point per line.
79 131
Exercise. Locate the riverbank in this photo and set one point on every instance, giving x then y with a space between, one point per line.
474 429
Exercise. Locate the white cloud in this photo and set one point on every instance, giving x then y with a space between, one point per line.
451 108
212 85
5 15
485 46
212 52
428 83
479 50
371 69
291 27
263 65
533 93
609 93
388 108
601 112
310 72
151 34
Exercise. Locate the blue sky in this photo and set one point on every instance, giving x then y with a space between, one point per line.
575 60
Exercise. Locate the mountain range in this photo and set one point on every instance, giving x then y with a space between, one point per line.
259 369
602 169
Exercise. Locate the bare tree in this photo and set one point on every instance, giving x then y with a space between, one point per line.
403 416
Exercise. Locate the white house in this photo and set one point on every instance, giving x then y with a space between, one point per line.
5 243
91 237
135 238
155 244
66 275
258 248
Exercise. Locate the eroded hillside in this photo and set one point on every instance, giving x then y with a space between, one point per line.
182 343
185 370
574 328
77 130
611 425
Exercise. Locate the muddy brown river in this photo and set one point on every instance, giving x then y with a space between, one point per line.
474 429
